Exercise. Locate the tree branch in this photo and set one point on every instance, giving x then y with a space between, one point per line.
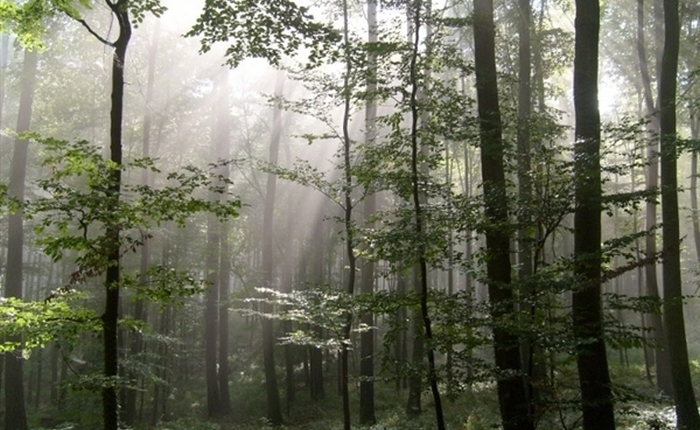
94 33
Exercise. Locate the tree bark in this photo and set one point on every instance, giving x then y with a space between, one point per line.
687 416
587 313
15 412
367 415
129 417
661 359
223 131
274 408
211 309
512 397
110 318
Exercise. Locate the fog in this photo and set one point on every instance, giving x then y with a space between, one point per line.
309 215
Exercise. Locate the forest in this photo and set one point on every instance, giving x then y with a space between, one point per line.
338 214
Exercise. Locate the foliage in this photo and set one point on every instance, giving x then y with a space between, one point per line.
265 29
38 323
28 19
76 206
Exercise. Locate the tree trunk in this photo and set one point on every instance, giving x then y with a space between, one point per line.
274 408
687 416
129 417
211 311
512 397
367 415
15 413
110 318
316 384
223 132
663 368
587 313
348 222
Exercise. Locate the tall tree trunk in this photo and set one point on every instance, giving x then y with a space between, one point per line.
663 368
687 416
274 407
15 413
419 14
316 384
512 397
348 222
223 131
129 416
211 310
367 416
587 313
414 379
110 318
530 353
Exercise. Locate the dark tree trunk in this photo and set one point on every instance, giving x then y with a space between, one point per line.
415 374
418 172
512 396
110 318
594 377
687 416
348 224
15 413
367 416
274 407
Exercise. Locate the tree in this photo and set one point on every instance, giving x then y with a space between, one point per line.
274 407
687 416
663 379
367 416
512 398
15 415
129 407
211 310
591 359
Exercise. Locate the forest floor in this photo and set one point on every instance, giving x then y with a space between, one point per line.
638 408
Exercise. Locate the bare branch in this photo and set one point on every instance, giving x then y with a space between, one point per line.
91 31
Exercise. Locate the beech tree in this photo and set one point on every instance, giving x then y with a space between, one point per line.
687 416
15 415
512 398
587 315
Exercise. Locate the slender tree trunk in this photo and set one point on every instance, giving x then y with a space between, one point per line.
316 384
223 132
211 310
687 416
663 368
110 318
129 417
274 408
15 412
367 416
348 224
512 397
594 377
